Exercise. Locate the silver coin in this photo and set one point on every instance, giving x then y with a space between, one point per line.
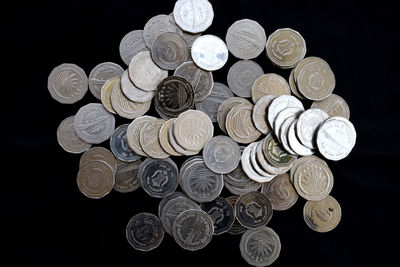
133 134
164 201
132 92
259 114
175 145
222 214
158 177
193 15
158 25
211 104
276 155
283 134
225 107
237 182
68 139
256 165
282 116
336 138
149 140
242 75
221 154
169 50
126 177
67 83
269 84
100 74
266 166
280 103
119 145
248 167
308 124
190 38
209 52
131 44
295 144
293 86
334 105
236 228
93 123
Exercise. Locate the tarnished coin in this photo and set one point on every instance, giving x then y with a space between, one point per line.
193 15
95 179
246 39
222 214
293 86
294 142
174 95
209 52
165 200
149 139
193 229
131 44
242 75
280 103
100 74
281 192
334 105
276 155
99 153
93 123
260 247
268 167
240 126
106 91
202 81
119 145
175 145
67 83
336 138
144 232
323 215
221 154
300 161
259 114
225 107
126 177
308 124
248 167
236 228
282 116
158 177
132 92
285 48
220 92
68 139
237 182
164 139
253 210
169 50
158 25
144 73
133 134
269 84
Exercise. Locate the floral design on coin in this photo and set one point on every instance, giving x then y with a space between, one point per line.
334 105
119 145
68 139
281 192
169 50
242 75
126 177
158 25
193 15
131 44
144 232
209 52
323 215
221 154
253 209
222 214
269 84
100 74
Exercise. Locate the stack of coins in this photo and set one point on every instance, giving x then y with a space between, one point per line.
264 156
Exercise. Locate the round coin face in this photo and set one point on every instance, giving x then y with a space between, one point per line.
222 214
295 144
119 145
281 192
67 83
133 134
308 124
169 50
100 74
158 25
253 209
131 44
144 232
68 139
209 52
193 15
126 177
269 84
323 215
334 106
236 228
242 75
225 107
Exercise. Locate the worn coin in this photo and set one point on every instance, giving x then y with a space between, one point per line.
293 86
169 50
158 25
259 114
164 139
133 134
132 92
282 116
308 124
300 161
269 84
334 105
225 107
95 179
236 228
126 177
67 83
237 182
189 39
119 145
280 103
99 153
276 155
165 200
106 91
209 52
131 44
253 210
149 139
175 145
323 215
264 163
242 75
193 15
222 214
100 74
281 192
248 167
68 139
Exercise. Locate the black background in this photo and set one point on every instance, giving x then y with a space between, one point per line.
50 223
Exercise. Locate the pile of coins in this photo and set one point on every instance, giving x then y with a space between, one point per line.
274 164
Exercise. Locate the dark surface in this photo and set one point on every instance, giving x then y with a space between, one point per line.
50 223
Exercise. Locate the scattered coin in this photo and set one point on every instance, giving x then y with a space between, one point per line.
237 182
280 103
99 154
149 139
193 15
165 200
248 167
131 44
133 134
323 215
156 26
175 145
225 107
164 139
100 74
281 192
119 145
253 210
106 91
277 156
334 105
293 86
257 166
295 144
169 50
300 161
68 139
282 116
236 228
242 75
308 124
209 52
259 114
222 214
284 134
269 84
126 177
132 92
266 166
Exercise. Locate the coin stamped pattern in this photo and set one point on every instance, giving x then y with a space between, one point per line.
193 15
259 114
222 214
334 105
323 215
133 134
106 91
132 92
253 209
221 154
307 125
158 25
99 153
131 44
68 139
144 232
149 139
225 107
169 50
100 74
126 177
119 145
281 192
209 52
242 75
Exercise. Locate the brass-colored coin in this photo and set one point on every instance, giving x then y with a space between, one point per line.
281 192
269 84
323 215
300 161
259 114
334 105
99 153
225 107
106 93
149 139
293 85
164 139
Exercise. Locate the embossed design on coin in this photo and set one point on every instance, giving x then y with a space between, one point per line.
158 25
68 139
308 124
281 192
280 103
275 154
106 91
282 116
221 154
193 15
242 75
169 50
149 139
209 52
100 74
126 177
248 166
119 145
225 107
132 92
293 85
323 215
131 44
95 179
99 153
222 214
253 210
334 105
237 182
164 139
133 133
295 144
269 84
236 228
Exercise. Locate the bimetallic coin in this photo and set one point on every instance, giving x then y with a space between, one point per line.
93 123
225 107
209 52
281 192
169 50
193 15
308 124
159 178
68 139
164 139
221 154
248 167
253 210
336 138
282 116
106 91
149 139
323 215
269 84
144 232
126 177
131 44
295 144
119 145
260 247
246 39
100 74
99 153
158 25
275 155
133 134
67 83
193 229
95 179
222 214
280 103
334 105
242 75
259 114
236 228
237 182
132 92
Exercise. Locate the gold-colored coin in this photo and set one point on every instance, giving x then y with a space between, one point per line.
323 215
269 84
106 93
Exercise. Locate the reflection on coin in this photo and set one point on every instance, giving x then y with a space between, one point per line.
275 155
131 44
259 114
282 116
266 166
308 124
236 228
100 74
239 124
156 26
164 139
126 177
149 139
99 153
193 15
323 215
281 192
169 50
209 52
175 145
133 134
144 232
242 75
132 92
106 91
257 165
280 103
68 139
248 167
225 107
253 210
269 84
284 134
95 179
295 144
334 105
222 214
119 145
67 83
221 154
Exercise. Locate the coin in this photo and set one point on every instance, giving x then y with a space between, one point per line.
220 92
201 80
100 74
334 105
165 200
281 192
285 48
209 52
144 232
259 115
99 154
149 139
68 139
132 92
236 228
126 177
268 167
300 161
253 210
105 93
131 44
280 103
256 165
222 214
189 39
175 145
133 134
158 25
295 144
336 138
144 73
119 145
260 247
174 95
239 124
242 75
275 155
282 116
284 133
293 86
164 139
193 15
308 124
221 154
237 182
193 229
169 50
269 84
93 123
67 83
95 179
248 168
225 107
323 215
246 39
